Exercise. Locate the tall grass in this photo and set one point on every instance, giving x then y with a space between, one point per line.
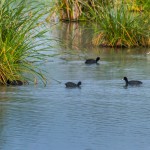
74 10
116 22
67 10
118 27
139 5
20 27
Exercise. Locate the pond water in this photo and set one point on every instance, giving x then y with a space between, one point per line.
101 115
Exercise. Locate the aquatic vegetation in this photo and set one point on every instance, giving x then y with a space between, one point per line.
114 24
118 27
139 5
74 10
66 10
21 38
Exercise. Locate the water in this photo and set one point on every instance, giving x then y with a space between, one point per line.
102 115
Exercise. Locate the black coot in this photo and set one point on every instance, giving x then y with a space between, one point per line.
14 82
92 61
72 85
132 82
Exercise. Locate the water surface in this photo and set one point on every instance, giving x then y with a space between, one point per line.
102 115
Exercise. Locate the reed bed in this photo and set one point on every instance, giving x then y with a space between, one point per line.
118 27
115 23
20 28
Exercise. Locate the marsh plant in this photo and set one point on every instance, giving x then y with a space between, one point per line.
74 10
114 22
118 27
21 40
139 5
66 10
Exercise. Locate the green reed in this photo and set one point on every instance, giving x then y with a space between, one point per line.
74 10
21 40
116 23
118 27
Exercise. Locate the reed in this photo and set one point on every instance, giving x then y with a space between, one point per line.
115 23
20 28
67 10
118 27
74 10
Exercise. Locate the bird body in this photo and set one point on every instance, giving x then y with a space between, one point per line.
72 85
92 61
14 82
132 82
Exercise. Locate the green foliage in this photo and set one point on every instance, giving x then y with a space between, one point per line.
122 23
20 28
145 4
75 10
118 27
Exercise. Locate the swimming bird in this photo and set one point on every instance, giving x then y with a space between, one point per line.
92 61
14 82
132 82
73 85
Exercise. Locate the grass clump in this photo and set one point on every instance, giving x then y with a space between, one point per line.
116 23
67 10
74 10
19 32
118 27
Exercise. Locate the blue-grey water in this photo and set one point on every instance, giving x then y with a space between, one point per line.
101 115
